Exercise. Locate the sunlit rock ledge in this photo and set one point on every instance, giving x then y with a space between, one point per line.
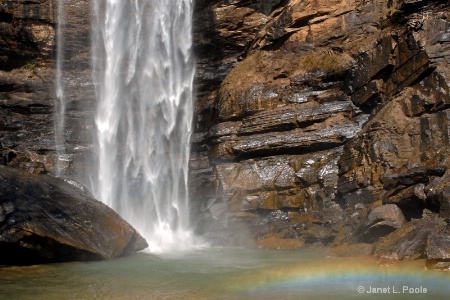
45 219
324 124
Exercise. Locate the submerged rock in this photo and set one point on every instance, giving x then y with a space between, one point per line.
353 250
44 219
275 243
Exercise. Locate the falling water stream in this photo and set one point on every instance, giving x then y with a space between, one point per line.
59 103
144 70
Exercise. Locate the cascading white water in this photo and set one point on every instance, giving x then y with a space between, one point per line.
144 70
60 102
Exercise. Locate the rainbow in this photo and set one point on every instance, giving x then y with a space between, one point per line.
343 279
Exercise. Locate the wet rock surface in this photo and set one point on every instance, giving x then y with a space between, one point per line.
438 251
28 78
45 220
409 241
325 122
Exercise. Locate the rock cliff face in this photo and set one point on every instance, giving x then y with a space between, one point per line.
313 114
28 77
316 122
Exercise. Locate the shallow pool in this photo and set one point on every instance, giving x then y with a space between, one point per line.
226 273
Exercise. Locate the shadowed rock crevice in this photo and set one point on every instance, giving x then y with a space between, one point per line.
41 250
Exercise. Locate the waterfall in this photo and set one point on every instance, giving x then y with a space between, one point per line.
59 103
144 70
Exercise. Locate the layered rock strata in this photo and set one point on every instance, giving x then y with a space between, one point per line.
325 121
28 79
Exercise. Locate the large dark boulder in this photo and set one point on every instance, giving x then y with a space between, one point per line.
45 219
